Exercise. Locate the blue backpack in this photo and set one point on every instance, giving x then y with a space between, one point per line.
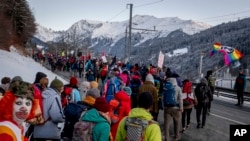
169 95
113 87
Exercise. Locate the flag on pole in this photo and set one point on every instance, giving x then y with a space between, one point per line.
230 54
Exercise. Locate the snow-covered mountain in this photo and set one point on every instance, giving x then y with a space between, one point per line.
110 36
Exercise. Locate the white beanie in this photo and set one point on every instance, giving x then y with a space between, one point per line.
150 78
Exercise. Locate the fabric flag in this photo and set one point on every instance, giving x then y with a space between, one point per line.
230 54
160 59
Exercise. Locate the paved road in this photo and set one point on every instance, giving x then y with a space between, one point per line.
223 114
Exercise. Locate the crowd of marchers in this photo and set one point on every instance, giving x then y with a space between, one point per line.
124 107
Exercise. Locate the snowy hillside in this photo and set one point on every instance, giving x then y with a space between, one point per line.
13 64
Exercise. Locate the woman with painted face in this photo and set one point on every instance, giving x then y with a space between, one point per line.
15 107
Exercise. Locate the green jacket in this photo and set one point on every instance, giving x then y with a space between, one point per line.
98 132
152 132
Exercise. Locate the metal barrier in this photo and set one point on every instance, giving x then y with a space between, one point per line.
229 92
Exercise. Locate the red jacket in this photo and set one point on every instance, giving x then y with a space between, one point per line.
123 110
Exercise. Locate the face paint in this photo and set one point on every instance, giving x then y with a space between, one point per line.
21 109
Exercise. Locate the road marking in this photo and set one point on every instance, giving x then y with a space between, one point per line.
238 122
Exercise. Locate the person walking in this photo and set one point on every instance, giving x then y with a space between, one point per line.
189 100
203 94
240 86
211 83
149 86
173 106
152 132
52 113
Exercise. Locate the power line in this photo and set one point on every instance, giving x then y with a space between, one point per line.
146 4
117 14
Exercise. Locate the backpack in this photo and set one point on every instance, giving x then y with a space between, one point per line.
83 131
73 111
187 87
202 95
169 95
135 128
134 85
103 72
188 101
113 87
72 114
81 65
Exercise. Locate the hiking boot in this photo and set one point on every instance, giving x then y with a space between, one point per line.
198 126
187 126
183 130
177 138
237 104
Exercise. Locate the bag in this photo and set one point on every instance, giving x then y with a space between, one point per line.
187 87
134 85
72 114
73 111
113 87
135 128
81 65
103 72
203 90
83 131
169 95
188 101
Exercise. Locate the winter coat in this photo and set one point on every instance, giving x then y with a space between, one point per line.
152 131
101 130
148 86
123 109
240 85
53 115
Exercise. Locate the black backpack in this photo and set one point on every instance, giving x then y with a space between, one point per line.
202 94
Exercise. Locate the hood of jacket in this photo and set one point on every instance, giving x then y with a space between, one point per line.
173 81
141 113
93 115
122 96
49 93
204 81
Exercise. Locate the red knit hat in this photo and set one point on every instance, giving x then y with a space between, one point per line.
73 81
101 104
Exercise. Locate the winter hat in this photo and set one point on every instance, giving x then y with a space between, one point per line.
16 78
127 90
56 84
124 78
137 73
5 80
150 78
102 105
22 89
39 75
93 92
145 100
93 84
73 81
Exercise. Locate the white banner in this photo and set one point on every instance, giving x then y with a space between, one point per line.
160 59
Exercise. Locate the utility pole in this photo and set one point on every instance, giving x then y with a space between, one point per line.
129 31
126 45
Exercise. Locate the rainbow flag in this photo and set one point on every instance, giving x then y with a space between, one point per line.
231 57
216 48
230 54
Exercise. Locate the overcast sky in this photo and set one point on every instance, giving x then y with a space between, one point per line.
61 14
